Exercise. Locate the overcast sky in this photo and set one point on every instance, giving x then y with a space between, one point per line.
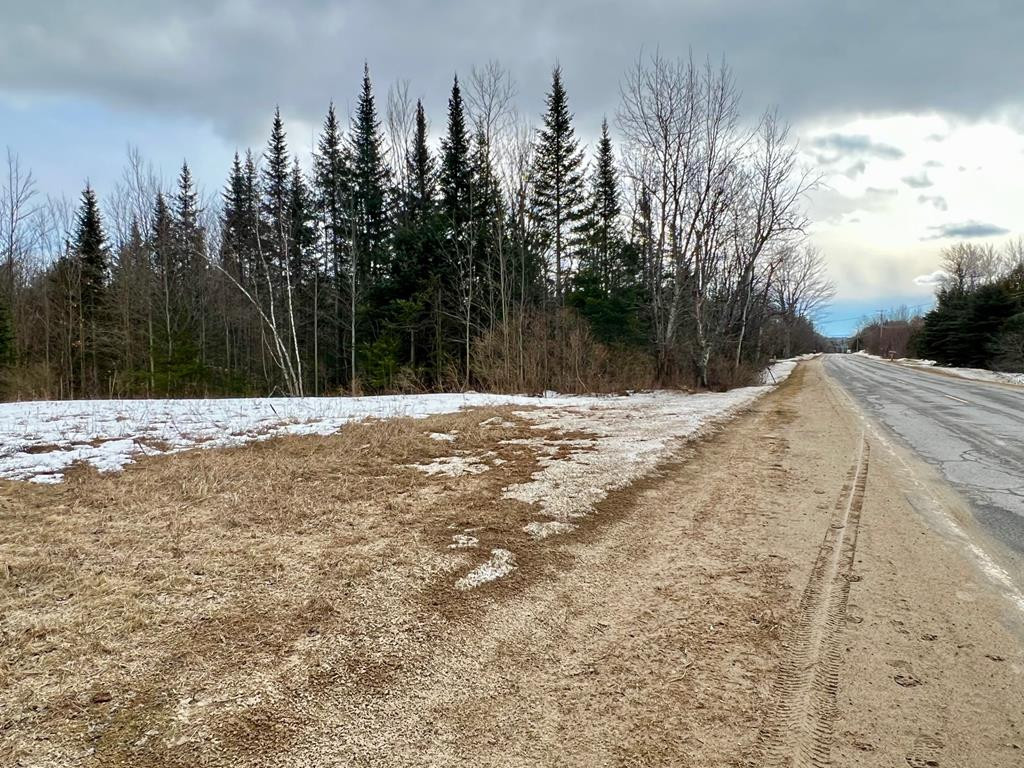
914 109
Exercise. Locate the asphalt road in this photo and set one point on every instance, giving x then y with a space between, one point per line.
973 432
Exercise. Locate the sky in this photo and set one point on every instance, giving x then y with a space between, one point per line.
912 112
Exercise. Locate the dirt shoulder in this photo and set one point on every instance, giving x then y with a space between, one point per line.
769 592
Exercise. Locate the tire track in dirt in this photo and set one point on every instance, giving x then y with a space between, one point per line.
799 728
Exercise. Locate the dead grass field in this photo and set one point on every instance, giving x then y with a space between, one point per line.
189 603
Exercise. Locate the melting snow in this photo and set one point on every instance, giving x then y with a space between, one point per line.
502 563
452 466
975 374
40 440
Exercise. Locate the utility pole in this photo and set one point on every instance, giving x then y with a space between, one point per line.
881 322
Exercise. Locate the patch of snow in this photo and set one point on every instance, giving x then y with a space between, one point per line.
539 530
497 421
501 563
980 374
452 466
442 437
632 434
40 440
974 374
463 541
779 370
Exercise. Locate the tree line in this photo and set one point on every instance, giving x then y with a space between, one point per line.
501 257
978 319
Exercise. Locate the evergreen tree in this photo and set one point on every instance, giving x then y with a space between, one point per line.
331 199
420 197
416 235
161 242
191 240
232 241
370 180
276 190
302 236
250 216
456 177
602 259
415 282
488 214
330 177
90 249
606 290
558 202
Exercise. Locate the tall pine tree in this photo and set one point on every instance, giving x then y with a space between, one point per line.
331 198
91 255
558 197
370 181
456 177
605 288
276 192
602 259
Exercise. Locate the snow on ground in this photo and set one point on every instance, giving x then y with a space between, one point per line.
631 435
40 440
452 466
501 563
975 374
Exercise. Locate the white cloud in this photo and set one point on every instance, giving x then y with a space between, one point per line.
930 280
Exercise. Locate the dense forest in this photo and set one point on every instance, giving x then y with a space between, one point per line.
978 320
502 256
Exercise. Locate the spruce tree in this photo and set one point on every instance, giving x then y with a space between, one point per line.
90 249
190 238
604 241
488 209
422 173
276 189
414 279
232 242
250 217
330 176
301 234
331 199
370 181
558 198
416 232
161 241
605 288
456 176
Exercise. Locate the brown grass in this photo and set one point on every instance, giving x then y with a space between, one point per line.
191 602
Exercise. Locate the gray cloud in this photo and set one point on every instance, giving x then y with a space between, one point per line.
917 181
854 144
227 62
966 230
933 164
856 169
938 201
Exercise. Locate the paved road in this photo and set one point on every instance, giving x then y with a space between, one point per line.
972 431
